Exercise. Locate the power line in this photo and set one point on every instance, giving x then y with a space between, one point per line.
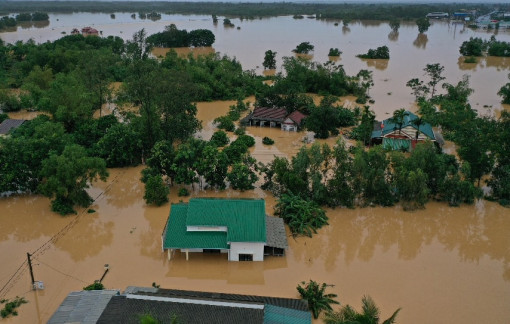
63 273
4 291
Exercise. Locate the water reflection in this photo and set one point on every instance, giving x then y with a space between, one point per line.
393 36
467 66
346 30
421 41
500 63
88 237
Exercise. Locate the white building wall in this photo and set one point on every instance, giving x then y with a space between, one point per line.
256 248
206 228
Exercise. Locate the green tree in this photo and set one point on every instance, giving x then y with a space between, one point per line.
504 92
335 52
398 118
423 24
66 176
269 60
435 72
156 192
394 25
304 217
370 314
325 119
138 48
316 296
219 138
364 130
242 175
303 48
201 38
121 146
473 47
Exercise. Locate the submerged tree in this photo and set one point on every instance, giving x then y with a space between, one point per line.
303 48
269 60
423 24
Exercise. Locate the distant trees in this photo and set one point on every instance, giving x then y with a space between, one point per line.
423 24
335 52
303 48
269 60
504 92
394 25
173 37
382 52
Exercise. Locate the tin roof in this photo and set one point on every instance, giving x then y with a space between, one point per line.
275 233
390 126
271 114
9 124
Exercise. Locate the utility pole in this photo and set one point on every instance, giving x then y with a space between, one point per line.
31 270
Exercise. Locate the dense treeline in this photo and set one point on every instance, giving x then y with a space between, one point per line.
476 46
173 37
59 153
384 11
7 21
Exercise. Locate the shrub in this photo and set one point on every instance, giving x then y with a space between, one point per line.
382 52
183 192
220 138
267 141
95 286
304 48
156 192
226 123
240 131
334 52
246 140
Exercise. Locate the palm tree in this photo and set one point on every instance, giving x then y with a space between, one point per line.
398 118
316 297
418 122
369 315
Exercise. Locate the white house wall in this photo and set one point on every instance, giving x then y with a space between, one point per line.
256 249
206 228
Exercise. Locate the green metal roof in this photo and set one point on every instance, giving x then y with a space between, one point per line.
245 219
176 236
390 126
281 315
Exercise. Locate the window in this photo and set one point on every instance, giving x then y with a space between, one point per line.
245 257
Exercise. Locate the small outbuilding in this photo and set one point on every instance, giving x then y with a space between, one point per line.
89 31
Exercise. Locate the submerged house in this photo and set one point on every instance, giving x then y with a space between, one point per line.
238 227
410 133
275 117
163 305
89 31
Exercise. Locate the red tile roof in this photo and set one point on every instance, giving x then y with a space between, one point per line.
297 117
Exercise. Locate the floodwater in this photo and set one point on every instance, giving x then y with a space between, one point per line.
455 261
409 51
441 264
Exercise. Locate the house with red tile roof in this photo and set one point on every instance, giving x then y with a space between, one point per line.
275 117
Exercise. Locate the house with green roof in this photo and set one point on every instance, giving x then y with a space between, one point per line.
238 227
404 138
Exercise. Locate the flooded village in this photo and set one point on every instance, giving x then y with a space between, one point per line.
439 264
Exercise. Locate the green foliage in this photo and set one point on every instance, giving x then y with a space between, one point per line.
148 319
66 176
498 48
156 192
370 314
303 48
245 140
316 296
95 286
3 117
304 217
240 131
334 52
363 132
473 47
183 192
242 175
219 138
394 25
225 122
173 37
325 119
382 52
10 307
470 59
423 24
9 102
269 60
267 141
504 92
121 146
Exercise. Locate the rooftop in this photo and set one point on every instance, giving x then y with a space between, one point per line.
7 125
390 126
274 114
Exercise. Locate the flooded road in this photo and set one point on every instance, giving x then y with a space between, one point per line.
409 51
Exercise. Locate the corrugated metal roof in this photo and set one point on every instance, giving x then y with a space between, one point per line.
273 114
390 126
275 233
245 219
8 124
82 307
281 315
177 237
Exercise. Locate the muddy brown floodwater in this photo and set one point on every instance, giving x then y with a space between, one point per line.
441 264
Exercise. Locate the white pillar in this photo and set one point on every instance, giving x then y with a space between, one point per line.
187 255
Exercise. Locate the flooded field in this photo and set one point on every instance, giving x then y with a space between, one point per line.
441 265
409 51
